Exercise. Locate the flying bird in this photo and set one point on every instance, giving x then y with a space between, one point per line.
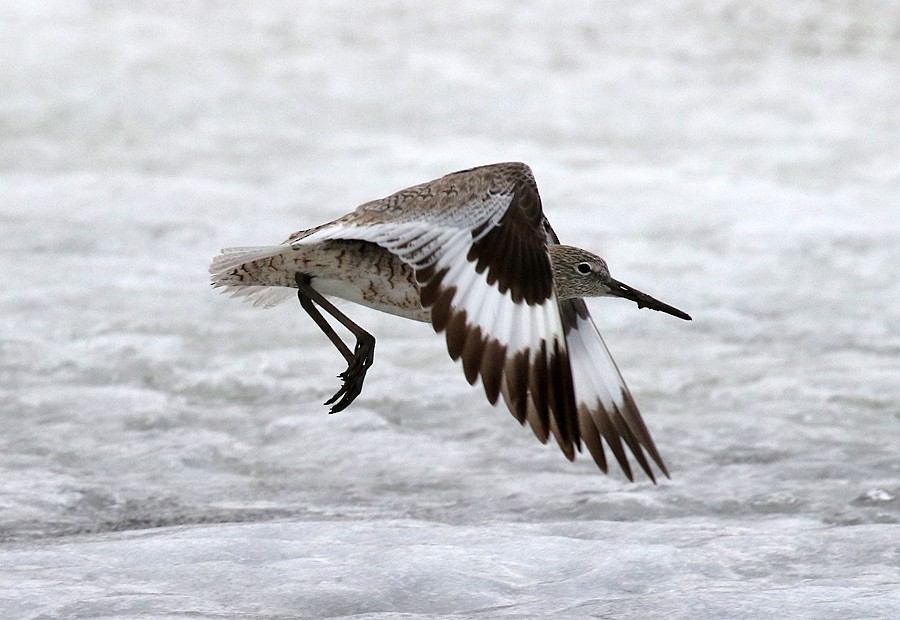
473 254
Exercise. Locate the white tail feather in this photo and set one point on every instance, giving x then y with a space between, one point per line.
265 296
227 272
230 258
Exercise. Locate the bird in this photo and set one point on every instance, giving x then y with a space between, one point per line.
473 254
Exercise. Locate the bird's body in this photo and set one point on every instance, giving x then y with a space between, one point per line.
473 254
358 271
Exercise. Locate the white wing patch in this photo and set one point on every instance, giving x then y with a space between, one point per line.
472 312
422 245
605 406
595 374
477 243
419 237
516 326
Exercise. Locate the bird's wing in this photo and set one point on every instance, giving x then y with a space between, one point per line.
605 407
477 240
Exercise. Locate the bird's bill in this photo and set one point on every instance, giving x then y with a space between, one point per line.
643 300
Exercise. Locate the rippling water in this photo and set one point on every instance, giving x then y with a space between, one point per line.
163 449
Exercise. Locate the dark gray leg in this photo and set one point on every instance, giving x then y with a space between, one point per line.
358 362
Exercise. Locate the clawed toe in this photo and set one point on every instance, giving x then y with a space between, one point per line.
350 389
358 362
347 394
353 377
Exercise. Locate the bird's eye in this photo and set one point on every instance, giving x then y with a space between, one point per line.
583 268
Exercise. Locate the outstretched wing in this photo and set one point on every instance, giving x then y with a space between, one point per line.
477 241
605 407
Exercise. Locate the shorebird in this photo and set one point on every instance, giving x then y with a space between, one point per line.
473 254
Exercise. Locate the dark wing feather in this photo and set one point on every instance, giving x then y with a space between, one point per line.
606 408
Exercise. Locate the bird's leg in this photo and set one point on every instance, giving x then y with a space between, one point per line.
358 362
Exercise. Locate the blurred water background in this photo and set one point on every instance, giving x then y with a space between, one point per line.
163 449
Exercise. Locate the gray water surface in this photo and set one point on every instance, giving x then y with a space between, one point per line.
164 452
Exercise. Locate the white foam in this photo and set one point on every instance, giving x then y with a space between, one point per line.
739 164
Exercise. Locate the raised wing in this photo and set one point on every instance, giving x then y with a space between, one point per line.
477 241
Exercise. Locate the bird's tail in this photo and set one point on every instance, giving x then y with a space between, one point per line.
254 274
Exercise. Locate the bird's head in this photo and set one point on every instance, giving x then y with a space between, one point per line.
578 273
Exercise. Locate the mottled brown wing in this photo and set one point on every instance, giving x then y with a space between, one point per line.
498 307
477 240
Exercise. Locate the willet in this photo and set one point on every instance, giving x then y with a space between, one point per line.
473 254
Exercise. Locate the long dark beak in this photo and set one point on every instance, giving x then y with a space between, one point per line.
643 300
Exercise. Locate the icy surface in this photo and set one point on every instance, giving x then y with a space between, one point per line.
164 451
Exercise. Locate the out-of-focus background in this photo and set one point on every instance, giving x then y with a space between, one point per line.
163 449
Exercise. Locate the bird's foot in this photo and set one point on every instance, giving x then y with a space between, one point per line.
355 375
